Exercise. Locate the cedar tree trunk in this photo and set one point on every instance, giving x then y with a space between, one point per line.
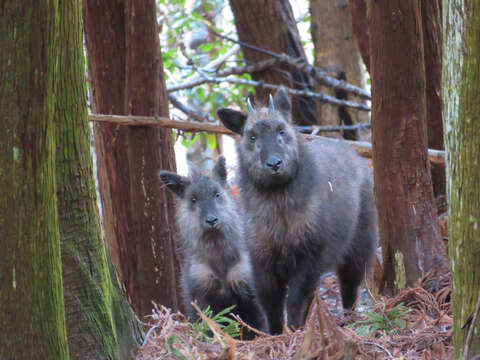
408 225
100 324
432 30
358 10
337 52
126 76
32 313
271 25
461 113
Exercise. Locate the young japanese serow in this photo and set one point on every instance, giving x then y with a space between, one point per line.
217 270
310 209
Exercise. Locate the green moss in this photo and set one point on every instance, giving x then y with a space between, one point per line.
91 299
461 81
32 318
400 275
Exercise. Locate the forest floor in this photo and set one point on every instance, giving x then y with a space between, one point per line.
415 324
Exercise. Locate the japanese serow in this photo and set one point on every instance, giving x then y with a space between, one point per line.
217 270
310 209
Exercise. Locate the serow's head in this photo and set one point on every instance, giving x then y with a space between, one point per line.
268 148
204 201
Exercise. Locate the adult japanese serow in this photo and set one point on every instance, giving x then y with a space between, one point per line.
217 270
310 209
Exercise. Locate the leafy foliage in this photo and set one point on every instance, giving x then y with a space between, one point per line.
228 325
392 320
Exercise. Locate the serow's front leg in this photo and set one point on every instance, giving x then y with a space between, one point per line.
300 295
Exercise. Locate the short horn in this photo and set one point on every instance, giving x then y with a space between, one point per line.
250 107
271 106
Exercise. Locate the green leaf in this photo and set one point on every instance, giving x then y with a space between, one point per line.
172 340
212 141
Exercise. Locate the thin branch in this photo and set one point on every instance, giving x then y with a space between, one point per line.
319 75
237 70
362 147
322 97
191 113
314 129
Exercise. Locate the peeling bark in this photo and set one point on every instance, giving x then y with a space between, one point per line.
407 214
358 10
126 77
432 26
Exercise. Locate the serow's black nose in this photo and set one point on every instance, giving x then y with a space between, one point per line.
211 220
274 163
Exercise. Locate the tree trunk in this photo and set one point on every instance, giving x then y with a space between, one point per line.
32 316
92 300
336 51
358 11
461 113
432 26
408 225
126 76
271 25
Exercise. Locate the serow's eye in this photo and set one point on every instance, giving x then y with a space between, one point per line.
252 138
193 199
217 194
281 132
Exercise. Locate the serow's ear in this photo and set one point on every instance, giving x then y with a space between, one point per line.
175 182
282 101
220 170
232 119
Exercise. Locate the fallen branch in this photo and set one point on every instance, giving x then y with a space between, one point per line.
159 121
362 147
319 75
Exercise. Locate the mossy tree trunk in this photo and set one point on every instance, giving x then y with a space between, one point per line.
461 113
126 77
271 25
337 52
409 231
100 325
32 317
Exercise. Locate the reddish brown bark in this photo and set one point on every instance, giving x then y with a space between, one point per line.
432 26
358 10
126 77
409 231
271 25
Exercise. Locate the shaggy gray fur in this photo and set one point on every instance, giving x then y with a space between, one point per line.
217 270
310 209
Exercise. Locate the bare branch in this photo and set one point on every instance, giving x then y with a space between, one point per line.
191 113
238 70
319 75
328 128
362 147
322 97
161 122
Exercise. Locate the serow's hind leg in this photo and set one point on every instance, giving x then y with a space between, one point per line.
350 276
